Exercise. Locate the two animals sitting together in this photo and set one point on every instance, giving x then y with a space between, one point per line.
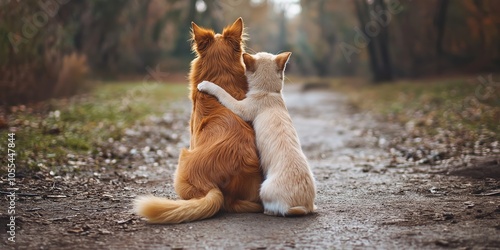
222 169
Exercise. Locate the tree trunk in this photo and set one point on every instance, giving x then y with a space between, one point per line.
383 43
322 62
182 45
211 17
378 49
440 23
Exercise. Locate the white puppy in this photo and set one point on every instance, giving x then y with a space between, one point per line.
289 187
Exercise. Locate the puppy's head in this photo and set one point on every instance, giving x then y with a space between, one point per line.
266 71
219 46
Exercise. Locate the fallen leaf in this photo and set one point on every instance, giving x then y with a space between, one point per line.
75 230
56 196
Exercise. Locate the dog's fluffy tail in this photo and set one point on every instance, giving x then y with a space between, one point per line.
165 211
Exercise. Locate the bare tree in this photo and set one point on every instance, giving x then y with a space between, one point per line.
440 23
378 45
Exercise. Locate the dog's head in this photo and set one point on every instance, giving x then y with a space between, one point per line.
225 46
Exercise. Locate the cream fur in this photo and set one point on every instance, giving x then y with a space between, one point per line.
289 188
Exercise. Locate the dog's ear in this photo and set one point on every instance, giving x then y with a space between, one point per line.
282 59
234 35
201 37
249 62
234 31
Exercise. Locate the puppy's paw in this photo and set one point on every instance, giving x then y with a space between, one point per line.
204 86
271 212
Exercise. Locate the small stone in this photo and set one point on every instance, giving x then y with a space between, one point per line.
469 204
104 231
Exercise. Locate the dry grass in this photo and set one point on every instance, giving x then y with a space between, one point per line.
71 77
48 132
440 118
30 82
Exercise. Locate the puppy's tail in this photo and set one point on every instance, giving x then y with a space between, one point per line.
297 211
165 211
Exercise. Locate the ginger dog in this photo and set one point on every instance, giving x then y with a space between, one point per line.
289 187
221 169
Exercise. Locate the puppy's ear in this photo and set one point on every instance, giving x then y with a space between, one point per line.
201 37
249 62
282 59
234 31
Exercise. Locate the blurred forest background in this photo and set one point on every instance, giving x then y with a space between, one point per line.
49 47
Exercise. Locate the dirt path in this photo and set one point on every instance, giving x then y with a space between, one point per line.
364 201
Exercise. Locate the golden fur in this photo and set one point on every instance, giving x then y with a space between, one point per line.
221 168
289 187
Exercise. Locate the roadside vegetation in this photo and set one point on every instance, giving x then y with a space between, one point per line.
432 104
47 132
442 118
448 118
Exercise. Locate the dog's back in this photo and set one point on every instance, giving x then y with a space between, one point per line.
222 144
221 169
223 150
